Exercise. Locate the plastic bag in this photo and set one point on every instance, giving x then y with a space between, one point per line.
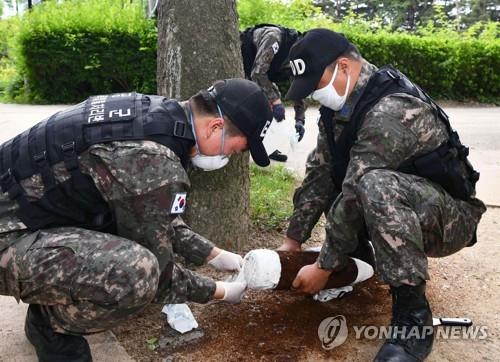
180 317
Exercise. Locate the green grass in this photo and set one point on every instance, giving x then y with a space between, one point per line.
271 191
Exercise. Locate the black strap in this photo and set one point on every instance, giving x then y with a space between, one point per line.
328 119
40 157
67 148
24 159
7 155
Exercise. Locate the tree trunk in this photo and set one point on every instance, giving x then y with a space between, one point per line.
198 43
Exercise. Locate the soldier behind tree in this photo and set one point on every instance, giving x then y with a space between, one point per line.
265 49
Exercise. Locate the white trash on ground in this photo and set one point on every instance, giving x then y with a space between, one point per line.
180 317
326 295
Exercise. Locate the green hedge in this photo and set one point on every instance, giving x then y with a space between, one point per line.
461 70
8 30
68 51
71 50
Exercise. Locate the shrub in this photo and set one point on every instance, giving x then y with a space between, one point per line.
460 70
298 14
8 73
70 50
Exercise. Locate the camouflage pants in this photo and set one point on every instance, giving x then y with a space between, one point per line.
86 281
409 218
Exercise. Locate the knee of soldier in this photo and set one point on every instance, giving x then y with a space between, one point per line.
142 276
377 186
129 277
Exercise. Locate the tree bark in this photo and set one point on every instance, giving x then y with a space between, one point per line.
198 43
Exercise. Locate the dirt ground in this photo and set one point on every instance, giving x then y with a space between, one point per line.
282 326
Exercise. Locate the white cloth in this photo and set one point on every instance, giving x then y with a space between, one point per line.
180 317
261 269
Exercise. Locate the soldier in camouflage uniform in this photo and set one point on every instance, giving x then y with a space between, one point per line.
79 281
407 217
265 57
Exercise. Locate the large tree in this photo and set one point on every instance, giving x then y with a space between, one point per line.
198 43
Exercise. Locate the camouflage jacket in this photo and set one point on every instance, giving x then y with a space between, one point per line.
267 41
398 127
139 180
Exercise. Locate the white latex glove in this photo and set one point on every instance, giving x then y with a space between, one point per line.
233 292
227 261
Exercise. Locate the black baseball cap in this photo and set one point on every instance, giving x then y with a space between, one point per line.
310 56
249 110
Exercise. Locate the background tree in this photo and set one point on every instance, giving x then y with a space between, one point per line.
482 10
410 14
198 43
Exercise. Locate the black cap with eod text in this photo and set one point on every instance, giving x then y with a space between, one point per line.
310 56
248 108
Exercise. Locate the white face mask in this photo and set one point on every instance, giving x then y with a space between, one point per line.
209 163
328 96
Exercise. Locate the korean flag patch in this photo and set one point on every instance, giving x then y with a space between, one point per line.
276 47
178 203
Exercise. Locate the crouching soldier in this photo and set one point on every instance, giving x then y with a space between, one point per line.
90 214
387 166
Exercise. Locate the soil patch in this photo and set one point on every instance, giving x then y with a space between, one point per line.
283 326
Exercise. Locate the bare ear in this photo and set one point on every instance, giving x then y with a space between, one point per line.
343 64
214 124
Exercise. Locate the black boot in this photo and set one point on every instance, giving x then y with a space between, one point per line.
278 156
412 332
51 346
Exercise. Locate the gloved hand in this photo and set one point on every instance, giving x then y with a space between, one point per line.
278 112
227 261
299 128
233 292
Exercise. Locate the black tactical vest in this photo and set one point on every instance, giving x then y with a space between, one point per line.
444 165
65 135
249 51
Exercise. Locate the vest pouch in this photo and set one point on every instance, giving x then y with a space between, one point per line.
444 167
82 194
70 203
